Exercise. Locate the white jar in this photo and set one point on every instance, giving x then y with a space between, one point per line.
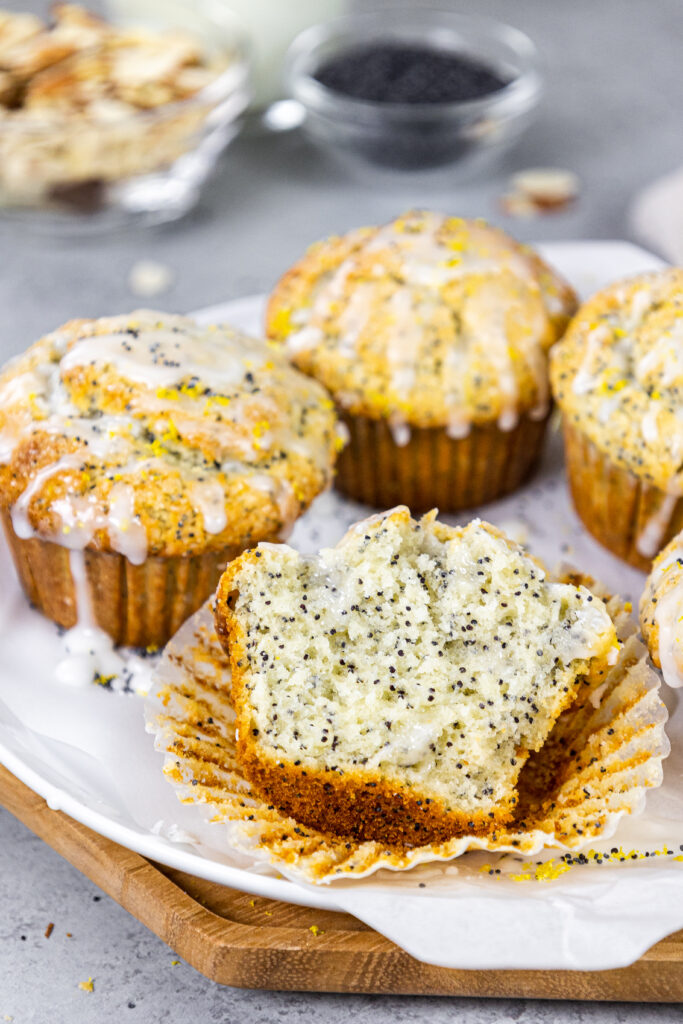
271 26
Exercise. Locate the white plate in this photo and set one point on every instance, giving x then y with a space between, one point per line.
86 751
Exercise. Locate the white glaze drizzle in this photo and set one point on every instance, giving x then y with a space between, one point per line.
648 424
137 348
89 650
209 497
424 263
20 510
608 406
585 379
162 357
650 539
665 356
400 431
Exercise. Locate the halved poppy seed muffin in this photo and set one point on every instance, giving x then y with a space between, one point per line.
138 453
393 687
432 335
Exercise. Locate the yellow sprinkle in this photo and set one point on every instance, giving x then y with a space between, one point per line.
217 399
157 447
628 607
260 428
171 434
268 913
656 394
252 903
316 931
87 986
680 857
521 878
174 963
168 393
281 322
551 870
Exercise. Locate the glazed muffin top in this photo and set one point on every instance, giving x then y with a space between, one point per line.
618 375
148 433
430 320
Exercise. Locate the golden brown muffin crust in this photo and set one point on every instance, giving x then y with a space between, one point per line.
618 375
190 438
430 320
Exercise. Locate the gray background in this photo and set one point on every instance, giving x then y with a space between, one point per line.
611 112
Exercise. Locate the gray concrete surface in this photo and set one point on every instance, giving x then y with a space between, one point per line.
612 113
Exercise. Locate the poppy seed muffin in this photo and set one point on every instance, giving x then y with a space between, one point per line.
138 453
661 612
431 333
617 376
393 687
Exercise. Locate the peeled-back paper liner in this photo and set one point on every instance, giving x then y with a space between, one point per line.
604 752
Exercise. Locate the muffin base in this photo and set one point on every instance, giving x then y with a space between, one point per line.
137 605
433 469
630 517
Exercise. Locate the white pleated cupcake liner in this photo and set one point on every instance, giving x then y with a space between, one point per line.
602 755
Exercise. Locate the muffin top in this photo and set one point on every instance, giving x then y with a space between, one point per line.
148 434
430 320
661 612
618 375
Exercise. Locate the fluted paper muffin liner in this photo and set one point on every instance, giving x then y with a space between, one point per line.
433 470
630 517
137 605
602 755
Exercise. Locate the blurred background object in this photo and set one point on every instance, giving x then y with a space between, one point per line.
103 123
412 89
270 26
656 216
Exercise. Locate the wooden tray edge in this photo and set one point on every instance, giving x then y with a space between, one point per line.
291 958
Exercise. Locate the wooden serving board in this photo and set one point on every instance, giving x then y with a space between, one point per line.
251 942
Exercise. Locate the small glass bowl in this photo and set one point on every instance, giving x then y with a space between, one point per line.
149 167
416 136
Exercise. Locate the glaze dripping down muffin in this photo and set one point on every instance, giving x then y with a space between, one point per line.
393 687
151 439
432 334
